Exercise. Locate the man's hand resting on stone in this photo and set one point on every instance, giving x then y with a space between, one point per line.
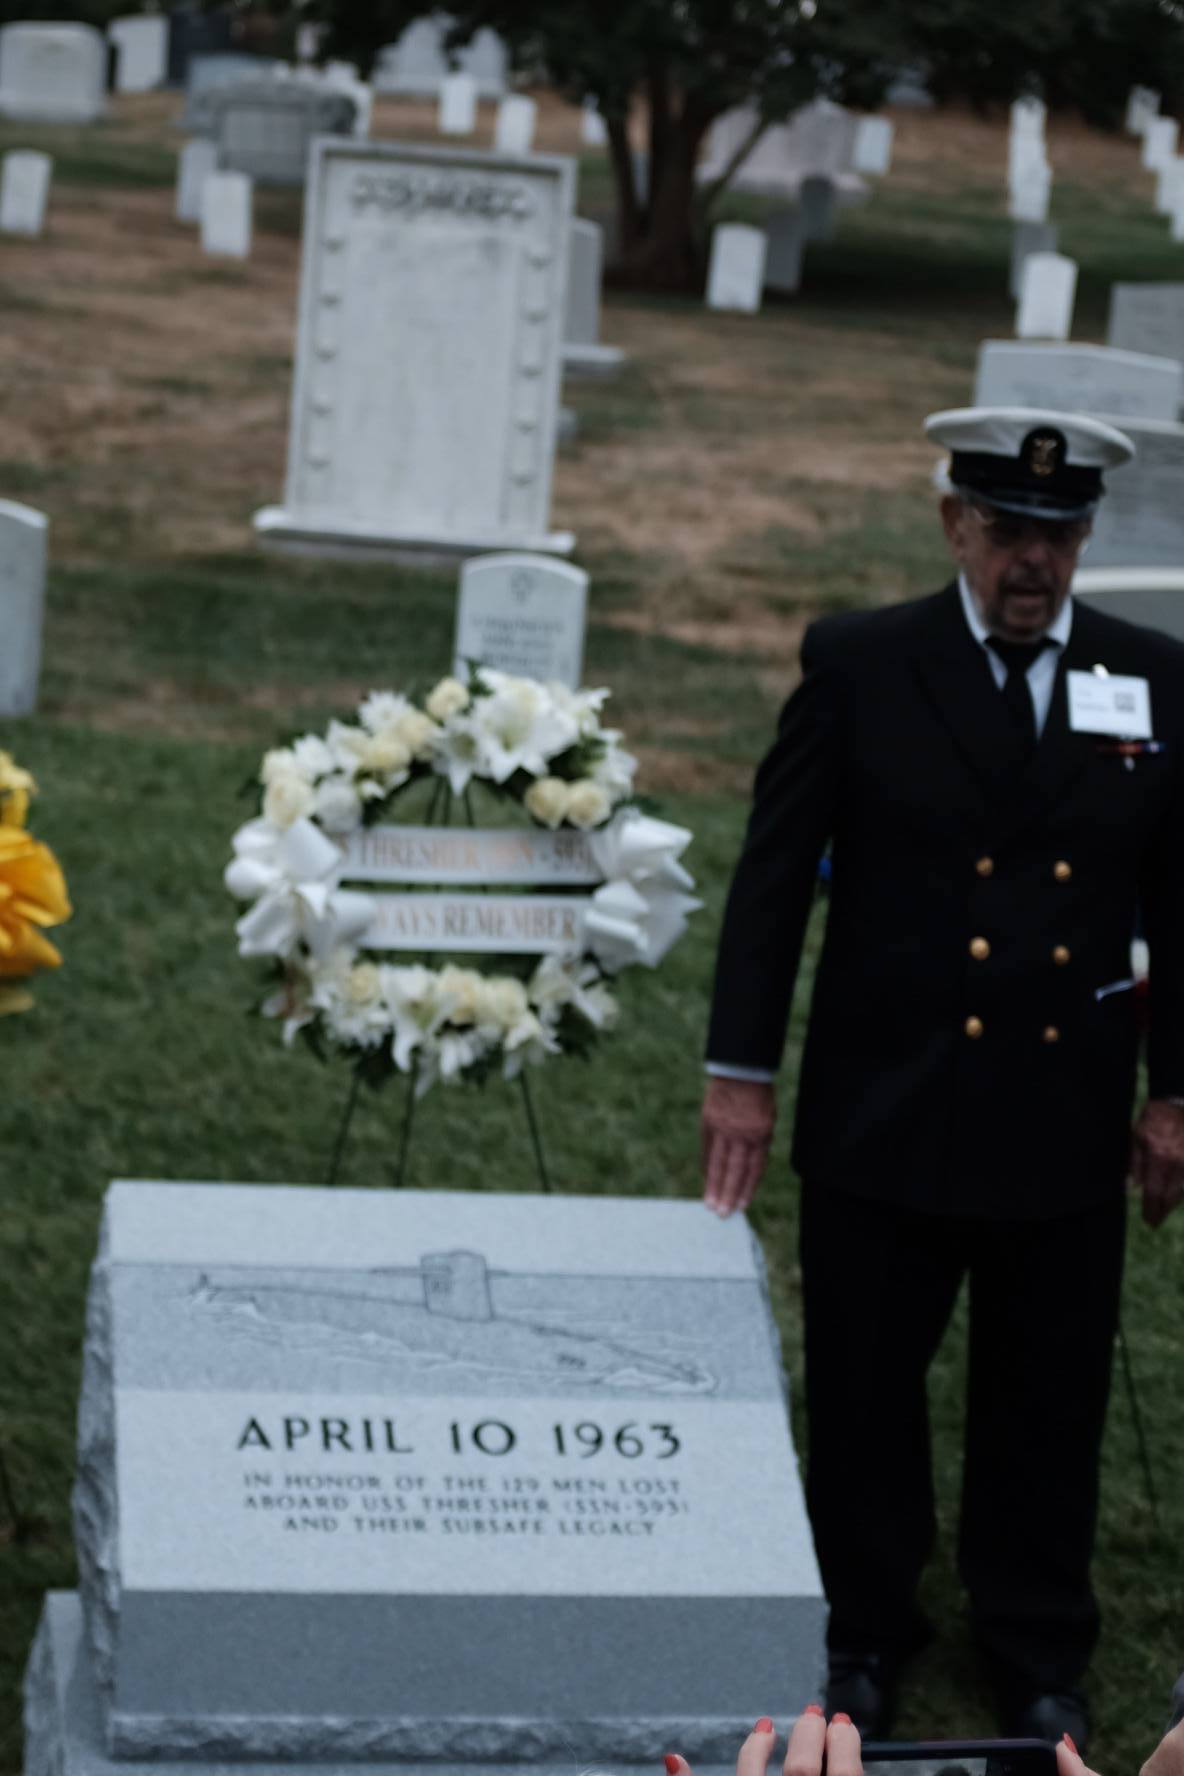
736 1130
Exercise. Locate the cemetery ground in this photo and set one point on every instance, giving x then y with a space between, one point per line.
743 475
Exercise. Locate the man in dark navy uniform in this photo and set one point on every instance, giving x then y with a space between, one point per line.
998 775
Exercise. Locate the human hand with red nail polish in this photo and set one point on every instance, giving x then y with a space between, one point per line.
809 1742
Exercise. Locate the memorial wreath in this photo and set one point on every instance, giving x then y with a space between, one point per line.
539 746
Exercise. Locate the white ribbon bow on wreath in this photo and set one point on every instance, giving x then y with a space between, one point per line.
292 874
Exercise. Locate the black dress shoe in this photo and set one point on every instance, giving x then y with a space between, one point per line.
1050 1717
860 1685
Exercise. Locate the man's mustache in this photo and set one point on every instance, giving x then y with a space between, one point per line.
1028 586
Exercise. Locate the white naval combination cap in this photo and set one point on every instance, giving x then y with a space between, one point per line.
1029 459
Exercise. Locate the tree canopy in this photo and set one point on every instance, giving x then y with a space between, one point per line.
688 61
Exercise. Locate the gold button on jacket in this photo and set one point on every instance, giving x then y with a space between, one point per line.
1060 955
985 866
980 949
1062 870
973 1027
1052 1034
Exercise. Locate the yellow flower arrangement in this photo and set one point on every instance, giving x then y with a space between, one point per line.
33 893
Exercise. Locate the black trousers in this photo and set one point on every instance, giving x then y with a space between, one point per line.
880 1284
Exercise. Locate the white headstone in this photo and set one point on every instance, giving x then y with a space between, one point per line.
197 160
24 191
872 152
1140 522
428 357
1078 379
1026 157
24 535
816 204
783 259
226 215
514 131
1177 219
1028 238
736 274
1047 296
308 42
52 73
1160 141
583 354
523 614
1169 186
1031 194
487 60
209 75
458 105
1141 106
418 64
1148 318
297 1407
142 51
593 133
1028 117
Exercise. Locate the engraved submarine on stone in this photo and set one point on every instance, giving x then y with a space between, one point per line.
442 1313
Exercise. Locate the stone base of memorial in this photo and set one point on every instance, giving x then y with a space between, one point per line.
294 533
590 361
64 1724
468 1478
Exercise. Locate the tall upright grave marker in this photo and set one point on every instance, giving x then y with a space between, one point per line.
736 273
24 535
226 205
426 393
458 105
142 51
583 354
1148 318
1046 297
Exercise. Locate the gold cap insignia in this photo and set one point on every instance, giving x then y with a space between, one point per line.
1043 453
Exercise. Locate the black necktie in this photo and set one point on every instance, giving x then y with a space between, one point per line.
1018 656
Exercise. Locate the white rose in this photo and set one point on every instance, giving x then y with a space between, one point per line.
503 1002
338 805
386 755
382 709
364 985
587 804
546 800
417 732
287 798
448 698
279 762
462 990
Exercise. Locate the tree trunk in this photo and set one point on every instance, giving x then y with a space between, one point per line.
664 251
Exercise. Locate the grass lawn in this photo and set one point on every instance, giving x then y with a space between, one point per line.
743 475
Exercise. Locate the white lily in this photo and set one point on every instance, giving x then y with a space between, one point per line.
520 727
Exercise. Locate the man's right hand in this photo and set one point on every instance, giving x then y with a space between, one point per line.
736 1131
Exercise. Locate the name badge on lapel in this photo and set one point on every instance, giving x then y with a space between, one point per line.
1109 705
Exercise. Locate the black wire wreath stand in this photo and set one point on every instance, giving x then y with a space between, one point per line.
439 813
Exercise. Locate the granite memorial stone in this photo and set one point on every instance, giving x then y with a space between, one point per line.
226 205
1078 379
583 354
1028 238
52 73
1047 297
736 273
458 105
141 51
428 354
264 128
23 541
1148 318
196 161
209 75
1169 185
1031 193
1140 523
523 614
427 1475
24 191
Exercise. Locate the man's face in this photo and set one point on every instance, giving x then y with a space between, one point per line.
1019 569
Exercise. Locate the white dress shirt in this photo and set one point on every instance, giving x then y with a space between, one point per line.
1042 675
